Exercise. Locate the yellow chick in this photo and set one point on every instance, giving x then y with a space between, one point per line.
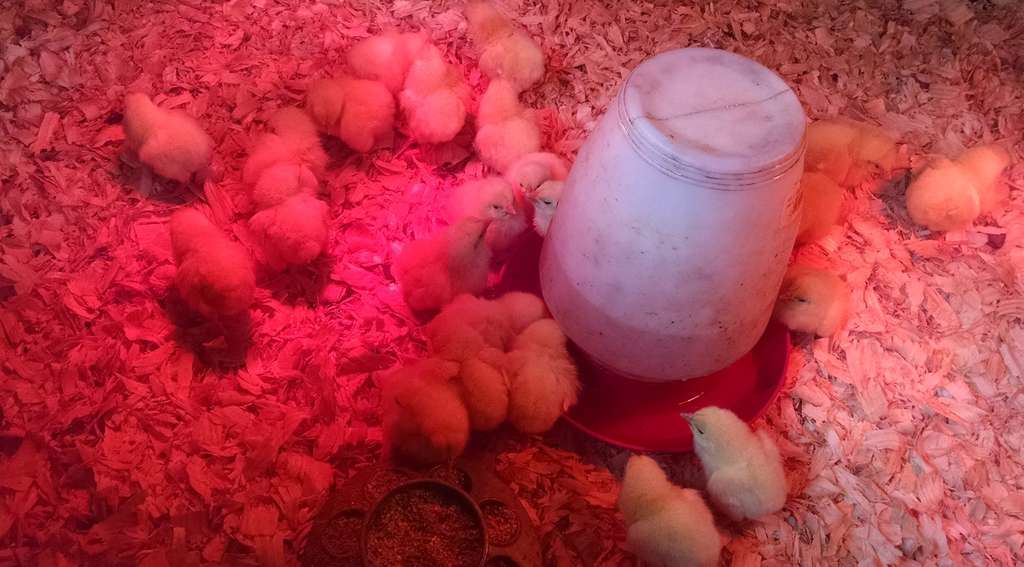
506 52
746 479
293 232
543 381
456 260
521 310
943 197
170 142
848 152
215 275
484 389
281 182
545 202
505 130
359 112
469 324
294 142
386 57
488 197
424 420
822 205
434 98
532 170
813 301
492 198
985 166
666 526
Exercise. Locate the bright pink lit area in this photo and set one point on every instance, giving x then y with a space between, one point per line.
145 421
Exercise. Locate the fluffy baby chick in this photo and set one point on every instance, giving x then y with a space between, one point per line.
491 198
506 52
215 275
469 324
985 165
943 197
822 204
424 418
483 386
545 202
386 58
812 301
294 142
743 467
293 232
521 310
358 111
281 182
847 151
532 170
666 526
456 260
170 142
542 378
434 98
505 130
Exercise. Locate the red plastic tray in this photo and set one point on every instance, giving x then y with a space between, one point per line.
644 416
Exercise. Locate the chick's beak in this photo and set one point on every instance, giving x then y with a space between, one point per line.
693 425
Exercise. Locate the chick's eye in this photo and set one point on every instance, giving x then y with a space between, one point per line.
547 201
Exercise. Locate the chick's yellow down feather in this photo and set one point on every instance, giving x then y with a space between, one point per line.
847 151
545 203
491 198
293 232
425 420
505 51
666 526
281 182
505 130
386 57
359 112
294 142
813 301
456 260
943 197
522 310
532 170
746 479
985 166
543 381
215 275
822 205
170 142
434 98
469 324
483 386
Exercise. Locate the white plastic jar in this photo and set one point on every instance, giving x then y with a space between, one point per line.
677 220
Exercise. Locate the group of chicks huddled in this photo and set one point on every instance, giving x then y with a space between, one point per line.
670 526
841 153
216 275
284 169
491 362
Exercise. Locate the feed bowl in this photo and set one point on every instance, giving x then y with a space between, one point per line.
425 522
